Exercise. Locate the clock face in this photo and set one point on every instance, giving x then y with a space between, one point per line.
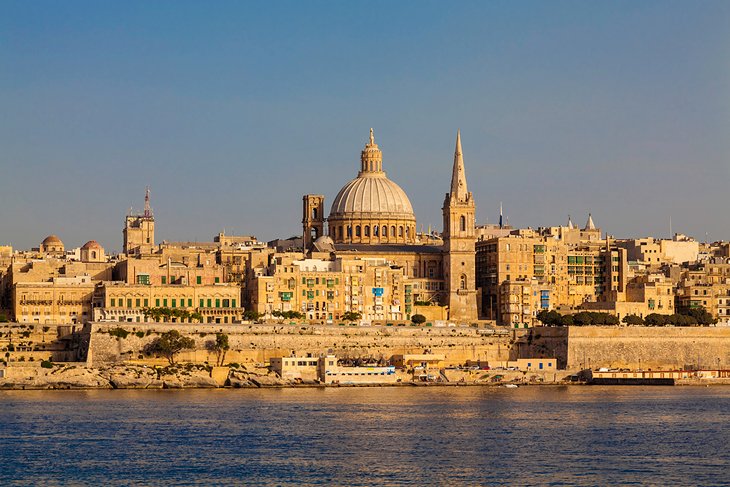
462 246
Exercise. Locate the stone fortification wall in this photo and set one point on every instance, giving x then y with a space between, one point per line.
632 347
258 343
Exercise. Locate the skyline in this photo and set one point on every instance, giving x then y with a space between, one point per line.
620 110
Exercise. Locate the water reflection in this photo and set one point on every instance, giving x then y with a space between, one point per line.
365 436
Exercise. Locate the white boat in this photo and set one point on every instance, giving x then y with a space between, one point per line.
510 386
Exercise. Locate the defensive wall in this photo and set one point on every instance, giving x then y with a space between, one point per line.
257 343
579 347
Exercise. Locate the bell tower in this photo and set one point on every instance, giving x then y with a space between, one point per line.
312 219
459 243
139 230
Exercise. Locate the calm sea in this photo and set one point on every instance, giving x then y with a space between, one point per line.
367 436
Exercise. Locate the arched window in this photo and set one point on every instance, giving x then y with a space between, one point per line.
349 231
357 230
367 230
313 232
400 231
314 213
339 233
376 230
385 231
392 231
462 282
407 231
93 254
462 223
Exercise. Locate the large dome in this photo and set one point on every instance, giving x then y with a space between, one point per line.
371 208
371 193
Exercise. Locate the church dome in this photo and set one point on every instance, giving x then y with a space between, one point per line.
91 244
371 208
52 240
372 193
52 244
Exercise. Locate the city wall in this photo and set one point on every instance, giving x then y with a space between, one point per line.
258 343
630 347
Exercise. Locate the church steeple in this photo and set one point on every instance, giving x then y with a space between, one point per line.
459 241
459 190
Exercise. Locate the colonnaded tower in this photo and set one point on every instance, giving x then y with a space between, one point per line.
459 243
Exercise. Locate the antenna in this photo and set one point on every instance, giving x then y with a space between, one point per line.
671 235
147 208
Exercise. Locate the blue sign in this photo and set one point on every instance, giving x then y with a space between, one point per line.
378 291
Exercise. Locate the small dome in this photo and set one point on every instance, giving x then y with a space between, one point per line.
91 244
324 244
52 240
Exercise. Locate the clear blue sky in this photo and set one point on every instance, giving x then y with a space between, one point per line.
231 111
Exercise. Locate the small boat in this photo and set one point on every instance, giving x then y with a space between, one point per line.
510 386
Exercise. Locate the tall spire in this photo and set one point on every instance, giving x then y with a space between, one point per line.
147 207
500 215
570 223
458 177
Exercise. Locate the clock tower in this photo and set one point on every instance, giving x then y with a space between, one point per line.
459 244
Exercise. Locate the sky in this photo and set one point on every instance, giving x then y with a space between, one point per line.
231 111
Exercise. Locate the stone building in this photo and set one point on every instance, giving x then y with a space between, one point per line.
371 226
119 301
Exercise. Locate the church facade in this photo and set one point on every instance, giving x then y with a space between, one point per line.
375 262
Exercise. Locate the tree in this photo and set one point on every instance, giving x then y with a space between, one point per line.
550 318
655 319
351 316
251 315
171 343
633 320
418 319
583 318
700 314
219 346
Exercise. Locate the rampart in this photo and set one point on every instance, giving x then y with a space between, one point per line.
631 347
257 343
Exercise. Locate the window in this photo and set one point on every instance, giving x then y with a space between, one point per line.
199 280
137 302
217 280
462 223
217 303
462 282
174 302
357 230
209 303
143 279
367 230
114 302
400 231
202 303
164 280
233 303
157 302
146 303
164 302
190 302
129 302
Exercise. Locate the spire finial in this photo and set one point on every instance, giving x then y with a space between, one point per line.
372 137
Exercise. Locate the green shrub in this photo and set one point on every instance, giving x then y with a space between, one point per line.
118 332
140 334
47 364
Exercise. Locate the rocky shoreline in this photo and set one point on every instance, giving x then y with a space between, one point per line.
186 376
